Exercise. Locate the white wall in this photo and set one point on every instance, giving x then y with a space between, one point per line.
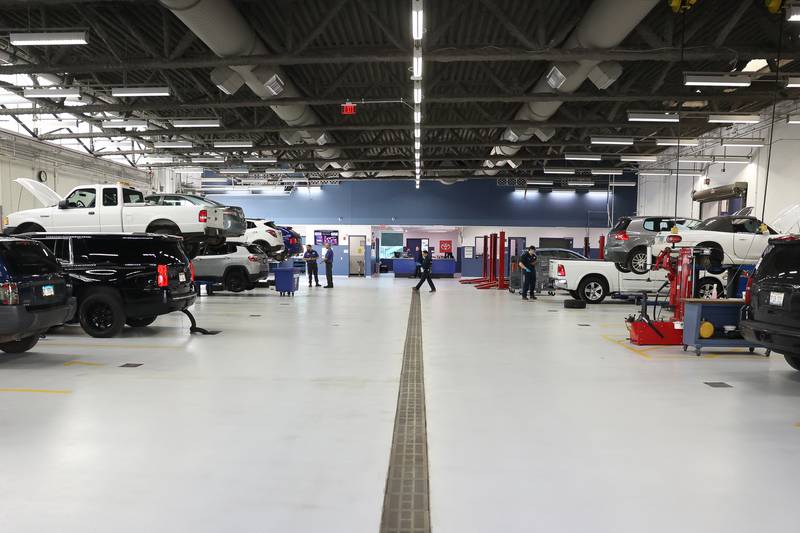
533 234
21 157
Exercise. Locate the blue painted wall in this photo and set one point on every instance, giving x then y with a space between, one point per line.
470 203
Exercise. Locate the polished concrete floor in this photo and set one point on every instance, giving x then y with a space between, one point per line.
539 419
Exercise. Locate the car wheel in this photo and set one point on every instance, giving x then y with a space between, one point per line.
793 359
713 261
637 261
22 345
101 314
141 322
264 245
575 295
622 268
707 287
593 289
236 281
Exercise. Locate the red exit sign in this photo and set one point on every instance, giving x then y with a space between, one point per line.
348 109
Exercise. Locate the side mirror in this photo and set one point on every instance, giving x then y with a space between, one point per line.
63 204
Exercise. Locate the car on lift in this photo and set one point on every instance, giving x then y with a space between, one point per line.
123 278
773 298
627 243
34 294
115 208
266 237
292 241
232 217
231 266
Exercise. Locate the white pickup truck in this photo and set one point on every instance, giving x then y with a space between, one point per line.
118 208
593 281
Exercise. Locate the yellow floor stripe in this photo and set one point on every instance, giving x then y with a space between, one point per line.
624 343
133 346
40 391
83 363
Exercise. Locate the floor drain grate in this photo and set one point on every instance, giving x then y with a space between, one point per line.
585 325
406 506
130 365
718 384
255 316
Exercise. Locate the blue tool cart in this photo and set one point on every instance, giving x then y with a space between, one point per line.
720 313
287 281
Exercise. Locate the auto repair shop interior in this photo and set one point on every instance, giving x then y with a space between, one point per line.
399 266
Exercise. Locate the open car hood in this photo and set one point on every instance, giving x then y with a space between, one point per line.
40 191
788 220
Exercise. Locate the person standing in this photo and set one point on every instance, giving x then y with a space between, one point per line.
417 263
425 274
328 258
527 262
312 268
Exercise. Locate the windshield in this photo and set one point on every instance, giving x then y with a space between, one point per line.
26 258
715 224
197 200
781 261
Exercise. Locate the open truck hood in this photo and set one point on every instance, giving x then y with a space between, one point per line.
47 196
788 220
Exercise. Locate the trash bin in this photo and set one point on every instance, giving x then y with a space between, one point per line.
286 281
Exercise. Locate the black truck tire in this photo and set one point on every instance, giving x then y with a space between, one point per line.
101 314
793 359
574 304
22 345
593 289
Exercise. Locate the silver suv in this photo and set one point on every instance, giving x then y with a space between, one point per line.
234 267
627 242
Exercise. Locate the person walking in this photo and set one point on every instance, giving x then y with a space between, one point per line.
417 263
312 268
425 271
527 262
328 258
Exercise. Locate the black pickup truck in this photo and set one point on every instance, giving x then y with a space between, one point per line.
123 278
34 294
774 297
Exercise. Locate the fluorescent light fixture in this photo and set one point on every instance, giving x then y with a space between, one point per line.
696 159
732 159
612 140
622 184
216 180
540 182
124 123
654 173
196 123
564 191
140 91
750 143
682 174
416 64
582 157
233 144
716 80
734 119
417 132
653 117
630 158
243 170
417 145
172 144
417 95
606 172
417 117
54 92
580 183
416 183
677 142
793 81
260 159
416 20
559 171
54 38
793 119
208 160
793 13
276 171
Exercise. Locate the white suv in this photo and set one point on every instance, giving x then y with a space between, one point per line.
259 233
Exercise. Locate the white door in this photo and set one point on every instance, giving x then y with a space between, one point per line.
81 212
748 241
110 210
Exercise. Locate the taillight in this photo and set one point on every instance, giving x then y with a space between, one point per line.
163 276
273 233
562 272
620 235
786 238
292 240
202 216
747 294
673 239
253 259
191 271
9 294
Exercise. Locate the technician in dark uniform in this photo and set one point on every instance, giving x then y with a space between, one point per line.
312 268
425 275
328 258
527 262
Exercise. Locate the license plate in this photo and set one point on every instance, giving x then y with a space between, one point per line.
48 290
181 277
776 298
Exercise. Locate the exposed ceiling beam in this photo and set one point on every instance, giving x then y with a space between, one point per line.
392 55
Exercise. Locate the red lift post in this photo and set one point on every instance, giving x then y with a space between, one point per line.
492 281
485 277
502 283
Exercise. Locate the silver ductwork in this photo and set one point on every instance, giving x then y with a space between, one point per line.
226 32
605 25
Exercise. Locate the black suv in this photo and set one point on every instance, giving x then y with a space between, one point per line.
774 297
34 294
123 278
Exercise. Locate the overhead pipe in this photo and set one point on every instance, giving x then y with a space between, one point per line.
226 32
605 25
